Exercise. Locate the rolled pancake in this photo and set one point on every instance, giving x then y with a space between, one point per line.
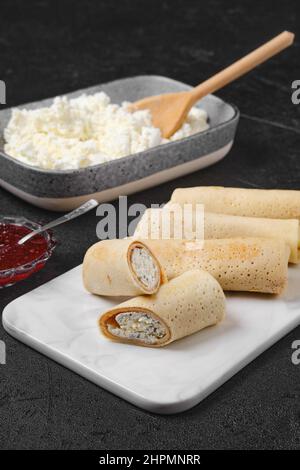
238 264
181 307
121 267
222 226
270 203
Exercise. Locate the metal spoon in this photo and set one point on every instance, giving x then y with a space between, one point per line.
87 206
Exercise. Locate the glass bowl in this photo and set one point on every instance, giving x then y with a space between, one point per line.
12 275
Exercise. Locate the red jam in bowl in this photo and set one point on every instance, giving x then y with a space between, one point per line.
17 262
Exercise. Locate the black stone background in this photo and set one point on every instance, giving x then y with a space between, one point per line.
51 47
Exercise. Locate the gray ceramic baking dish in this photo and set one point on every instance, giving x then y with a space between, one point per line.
66 189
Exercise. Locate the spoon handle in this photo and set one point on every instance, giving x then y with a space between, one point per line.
87 206
242 66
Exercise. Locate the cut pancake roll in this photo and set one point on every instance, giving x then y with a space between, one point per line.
181 307
270 203
216 225
239 264
121 267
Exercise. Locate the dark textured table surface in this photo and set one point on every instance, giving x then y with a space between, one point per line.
48 48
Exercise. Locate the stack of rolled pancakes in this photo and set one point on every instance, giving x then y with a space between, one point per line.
176 286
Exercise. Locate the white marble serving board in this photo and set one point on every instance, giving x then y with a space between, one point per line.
59 319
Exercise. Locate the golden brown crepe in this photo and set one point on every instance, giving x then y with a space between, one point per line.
121 267
270 203
154 221
238 264
181 307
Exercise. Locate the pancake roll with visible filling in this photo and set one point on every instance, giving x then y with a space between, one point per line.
121 267
181 307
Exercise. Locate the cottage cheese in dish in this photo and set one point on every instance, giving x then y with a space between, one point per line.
83 131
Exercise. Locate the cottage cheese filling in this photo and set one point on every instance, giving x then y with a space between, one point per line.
145 267
83 131
138 326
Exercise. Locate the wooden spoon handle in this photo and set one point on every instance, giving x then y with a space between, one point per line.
242 66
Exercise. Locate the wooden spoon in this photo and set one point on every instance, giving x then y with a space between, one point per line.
169 111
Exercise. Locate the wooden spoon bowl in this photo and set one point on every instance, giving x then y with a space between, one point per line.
170 110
